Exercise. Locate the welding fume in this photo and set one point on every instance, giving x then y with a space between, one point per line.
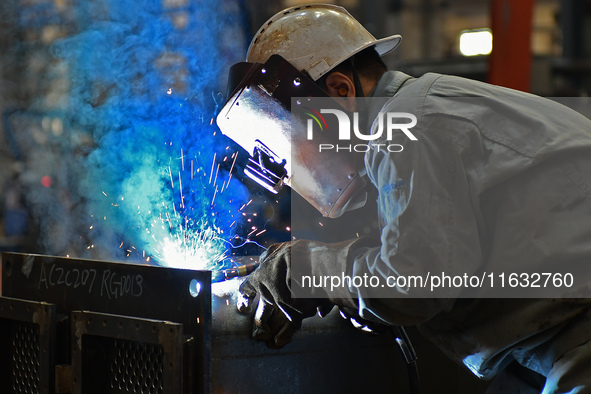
468 220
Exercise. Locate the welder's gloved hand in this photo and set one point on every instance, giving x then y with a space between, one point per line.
279 315
361 324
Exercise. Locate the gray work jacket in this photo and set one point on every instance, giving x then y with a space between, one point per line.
497 181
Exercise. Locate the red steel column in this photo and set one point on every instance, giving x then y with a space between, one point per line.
510 60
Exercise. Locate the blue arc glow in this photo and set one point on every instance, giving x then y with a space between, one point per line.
144 83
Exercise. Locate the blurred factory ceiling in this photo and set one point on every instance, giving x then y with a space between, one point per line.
431 31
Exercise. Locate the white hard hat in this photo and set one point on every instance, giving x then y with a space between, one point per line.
315 38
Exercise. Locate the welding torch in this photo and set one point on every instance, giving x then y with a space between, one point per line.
234 272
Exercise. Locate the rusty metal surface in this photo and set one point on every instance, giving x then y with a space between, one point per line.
64 379
27 346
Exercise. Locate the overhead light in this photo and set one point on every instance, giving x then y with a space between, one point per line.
476 42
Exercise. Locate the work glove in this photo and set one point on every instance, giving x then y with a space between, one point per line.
278 314
360 323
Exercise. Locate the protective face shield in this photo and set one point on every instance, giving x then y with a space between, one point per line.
258 117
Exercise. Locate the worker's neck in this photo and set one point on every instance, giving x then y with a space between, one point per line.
367 85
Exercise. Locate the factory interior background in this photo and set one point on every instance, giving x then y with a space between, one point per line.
108 143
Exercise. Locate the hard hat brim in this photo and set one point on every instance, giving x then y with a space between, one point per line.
382 46
388 44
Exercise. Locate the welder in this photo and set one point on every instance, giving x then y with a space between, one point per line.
496 179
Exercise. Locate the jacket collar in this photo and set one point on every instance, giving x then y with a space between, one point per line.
388 85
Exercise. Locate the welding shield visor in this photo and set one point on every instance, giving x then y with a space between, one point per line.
263 115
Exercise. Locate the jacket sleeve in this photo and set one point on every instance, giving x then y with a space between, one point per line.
429 225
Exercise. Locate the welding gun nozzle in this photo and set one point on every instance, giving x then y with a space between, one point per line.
242 270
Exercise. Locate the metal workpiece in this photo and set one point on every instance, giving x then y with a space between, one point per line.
146 291
327 355
27 346
112 353
126 328
123 314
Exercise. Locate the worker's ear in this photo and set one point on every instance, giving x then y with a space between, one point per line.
340 85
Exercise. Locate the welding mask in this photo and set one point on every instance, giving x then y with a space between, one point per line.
261 116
